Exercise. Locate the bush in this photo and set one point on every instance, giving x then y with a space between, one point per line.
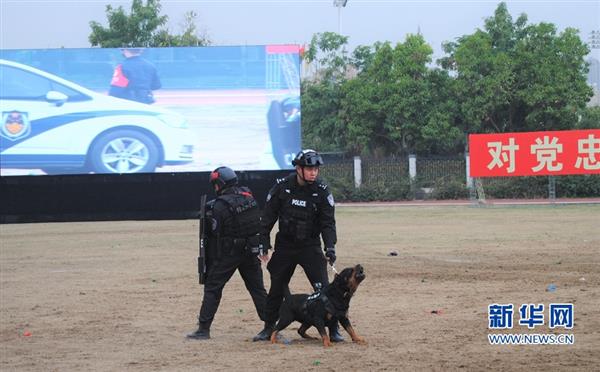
516 187
578 186
371 190
537 187
341 188
447 188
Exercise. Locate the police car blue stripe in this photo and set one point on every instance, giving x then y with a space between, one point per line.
40 126
38 161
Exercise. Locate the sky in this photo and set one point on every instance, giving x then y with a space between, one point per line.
65 23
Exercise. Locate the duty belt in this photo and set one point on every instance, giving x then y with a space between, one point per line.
240 245
231 243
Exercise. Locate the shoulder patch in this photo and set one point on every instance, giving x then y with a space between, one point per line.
280 180
330 200
323 186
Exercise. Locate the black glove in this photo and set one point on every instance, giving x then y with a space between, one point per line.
330 254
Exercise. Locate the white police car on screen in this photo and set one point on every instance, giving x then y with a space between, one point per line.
60 127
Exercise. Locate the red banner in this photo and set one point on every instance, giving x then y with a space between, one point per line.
535 153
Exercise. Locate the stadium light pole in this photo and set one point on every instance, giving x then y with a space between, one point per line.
339 4
595 39
594 42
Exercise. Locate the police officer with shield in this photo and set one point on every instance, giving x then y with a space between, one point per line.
233 224
304 206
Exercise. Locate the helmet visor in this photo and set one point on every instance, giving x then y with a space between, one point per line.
313 160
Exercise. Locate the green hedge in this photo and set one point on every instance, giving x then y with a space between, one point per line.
537 187
447 188
371 190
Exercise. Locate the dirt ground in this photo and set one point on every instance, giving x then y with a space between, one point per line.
114 296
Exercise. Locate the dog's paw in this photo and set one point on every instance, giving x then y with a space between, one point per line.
360 341
274 338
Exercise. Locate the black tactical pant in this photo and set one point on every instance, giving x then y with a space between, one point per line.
282 266
218 274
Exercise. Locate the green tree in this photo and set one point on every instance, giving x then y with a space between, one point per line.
321 126
396 104
328 51
321 92
511 76
143 27
188 37
384 99
590 118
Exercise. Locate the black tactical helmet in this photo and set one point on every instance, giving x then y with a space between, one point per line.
308 158
224 177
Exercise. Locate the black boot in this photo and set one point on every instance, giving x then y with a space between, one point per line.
334 333
265 334
202 333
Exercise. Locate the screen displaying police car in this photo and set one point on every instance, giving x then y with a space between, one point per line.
57 126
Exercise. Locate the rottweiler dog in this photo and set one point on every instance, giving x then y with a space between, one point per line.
323 307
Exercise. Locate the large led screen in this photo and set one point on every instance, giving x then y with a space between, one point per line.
71 111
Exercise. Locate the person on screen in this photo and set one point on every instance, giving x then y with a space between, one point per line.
233 225
135 78
304 206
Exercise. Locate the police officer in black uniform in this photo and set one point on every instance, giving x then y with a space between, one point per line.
233 220
304 207
135 78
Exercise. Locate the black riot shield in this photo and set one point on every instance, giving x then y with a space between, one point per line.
202 242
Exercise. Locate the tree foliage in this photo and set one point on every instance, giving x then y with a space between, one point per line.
328 51
321 95
512 76
508 76
394 105
143 27
590 118
405 105
321 126
188 37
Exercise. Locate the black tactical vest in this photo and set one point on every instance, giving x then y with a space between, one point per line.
298 217
244 219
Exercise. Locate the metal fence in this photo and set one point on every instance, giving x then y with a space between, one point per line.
338 168
384 170
392 169
441 178
432 170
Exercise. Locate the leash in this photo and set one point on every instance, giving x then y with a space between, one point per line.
333 268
